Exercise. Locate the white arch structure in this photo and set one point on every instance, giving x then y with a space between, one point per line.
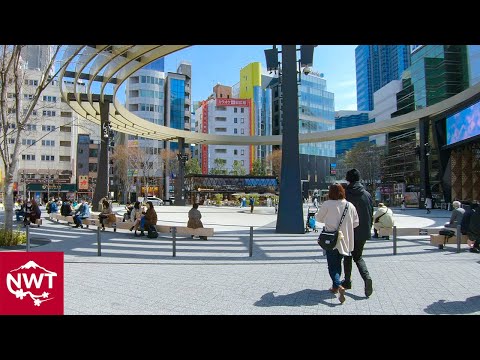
115 63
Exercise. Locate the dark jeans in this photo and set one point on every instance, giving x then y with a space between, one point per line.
357 257
334 262
102 218
78 220
18 214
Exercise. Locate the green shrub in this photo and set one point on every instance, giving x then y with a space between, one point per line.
12 238
218 198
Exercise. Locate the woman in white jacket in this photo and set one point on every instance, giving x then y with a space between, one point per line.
330 214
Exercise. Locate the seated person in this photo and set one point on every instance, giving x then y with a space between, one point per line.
19 210
194 221
83 212
382 218
66 209
128 211
105 211
136 216
150 218
32 212
457 215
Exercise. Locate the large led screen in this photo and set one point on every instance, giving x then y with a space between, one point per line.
463 125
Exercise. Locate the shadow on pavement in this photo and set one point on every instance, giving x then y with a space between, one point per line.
469 306
307 297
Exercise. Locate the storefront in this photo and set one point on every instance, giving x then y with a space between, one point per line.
41 192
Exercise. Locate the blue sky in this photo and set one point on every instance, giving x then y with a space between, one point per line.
222 64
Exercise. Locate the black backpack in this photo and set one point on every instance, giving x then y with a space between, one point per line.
152 232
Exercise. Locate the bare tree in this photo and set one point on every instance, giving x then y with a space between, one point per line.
275 158
368 159
15 113
125 162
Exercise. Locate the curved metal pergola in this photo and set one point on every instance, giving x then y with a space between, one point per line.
116 63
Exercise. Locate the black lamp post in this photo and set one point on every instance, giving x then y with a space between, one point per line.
290 207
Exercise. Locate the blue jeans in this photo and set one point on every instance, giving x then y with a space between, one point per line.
334 261
142 223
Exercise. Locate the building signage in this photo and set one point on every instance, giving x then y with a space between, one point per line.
52 187
232 102
205 131
414 48
333 169
83 182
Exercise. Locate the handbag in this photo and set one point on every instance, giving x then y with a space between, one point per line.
152 232
328 239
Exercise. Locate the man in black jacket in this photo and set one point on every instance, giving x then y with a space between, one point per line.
362 200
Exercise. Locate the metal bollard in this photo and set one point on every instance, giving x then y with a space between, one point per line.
174 241
250 244
99 242
27 232
394 240
459 237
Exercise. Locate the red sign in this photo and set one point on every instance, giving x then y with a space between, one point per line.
83 182
205 131
232 102
31 283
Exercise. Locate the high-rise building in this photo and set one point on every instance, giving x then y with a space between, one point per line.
254 86
145 97
221 114
37 57
177 111
473 64
437 72
376 66
345 119
157 65
384 105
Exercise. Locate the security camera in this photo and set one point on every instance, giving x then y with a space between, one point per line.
307 70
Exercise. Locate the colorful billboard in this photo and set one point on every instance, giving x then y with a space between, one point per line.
464 124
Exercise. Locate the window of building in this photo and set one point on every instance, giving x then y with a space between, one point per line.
11 140
242 120
242 152
48 128
48 142
48 158
242 110
92 167
235 152
242 131
235 120
234 131
12 125
235 110
221 151
31 128
65 114
28 142
93 153
80 166
243 162
49 113
49 98
65 128
28 96
64 158
28 157
221 129
66 143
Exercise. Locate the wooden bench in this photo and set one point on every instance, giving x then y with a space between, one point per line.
111 222
58 216
441 240
166 229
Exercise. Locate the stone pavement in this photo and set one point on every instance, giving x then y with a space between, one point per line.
286 275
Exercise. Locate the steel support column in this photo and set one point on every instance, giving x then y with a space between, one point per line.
101 188
290 207
425 190
180 179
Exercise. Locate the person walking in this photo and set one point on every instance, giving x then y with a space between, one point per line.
404 204
362 200
428 204
252 204
382 219
194 221
331 213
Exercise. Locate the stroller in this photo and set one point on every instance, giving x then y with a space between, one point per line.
310 223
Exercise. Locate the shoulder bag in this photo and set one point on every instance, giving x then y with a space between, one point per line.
328 239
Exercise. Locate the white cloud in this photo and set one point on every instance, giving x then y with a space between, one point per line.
346 83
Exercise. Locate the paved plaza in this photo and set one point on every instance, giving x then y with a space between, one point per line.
287 274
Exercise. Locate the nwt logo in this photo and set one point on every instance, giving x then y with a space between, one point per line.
29 280
31 283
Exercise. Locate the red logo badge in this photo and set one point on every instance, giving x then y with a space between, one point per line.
31 283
